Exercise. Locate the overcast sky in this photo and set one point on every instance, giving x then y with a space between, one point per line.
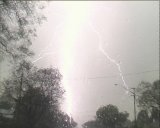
87 41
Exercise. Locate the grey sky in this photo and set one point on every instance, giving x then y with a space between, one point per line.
129 33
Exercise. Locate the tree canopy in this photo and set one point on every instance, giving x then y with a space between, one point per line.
33 96
18 27
108 117
26 76
149 102
36 110
149 94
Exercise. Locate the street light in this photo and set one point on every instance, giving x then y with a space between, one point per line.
134 96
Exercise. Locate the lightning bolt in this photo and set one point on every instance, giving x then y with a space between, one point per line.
43 53
70 118
108 56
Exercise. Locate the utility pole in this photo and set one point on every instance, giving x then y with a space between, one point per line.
134 96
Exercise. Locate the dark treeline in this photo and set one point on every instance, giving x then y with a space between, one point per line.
30 97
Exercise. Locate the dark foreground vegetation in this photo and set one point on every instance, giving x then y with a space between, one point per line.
31 99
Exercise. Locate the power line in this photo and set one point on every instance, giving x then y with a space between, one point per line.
126 74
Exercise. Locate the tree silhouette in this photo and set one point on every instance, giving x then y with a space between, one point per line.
64 121
149 102
149 95
108 117
143 120
25 76
35 110
34 96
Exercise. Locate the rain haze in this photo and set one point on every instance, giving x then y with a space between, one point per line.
100 48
